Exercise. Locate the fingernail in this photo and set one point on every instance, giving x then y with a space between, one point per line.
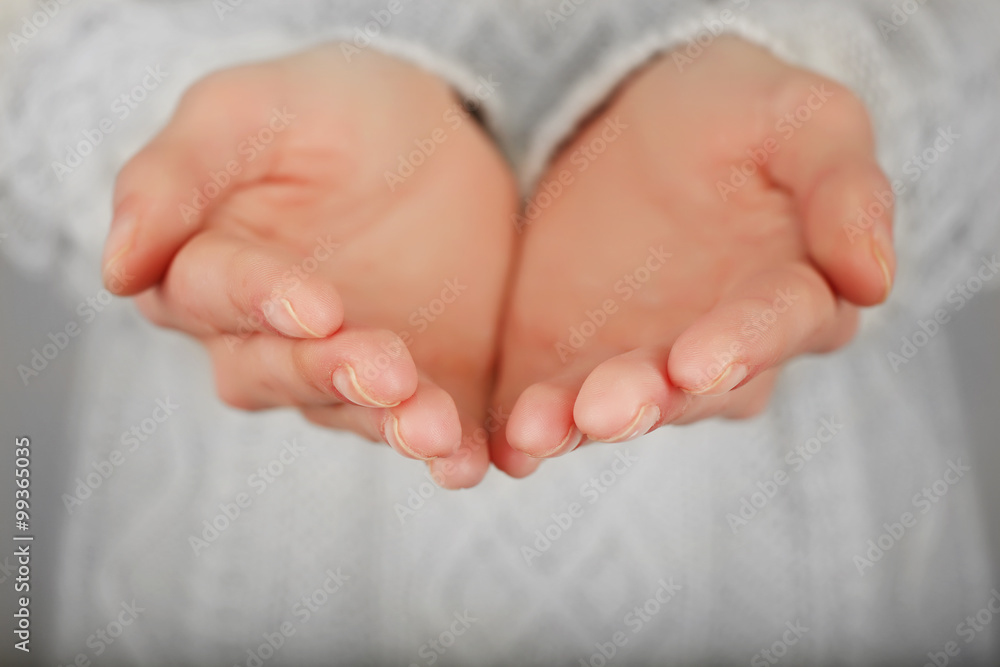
729 378
390 431
882 249
569 443
282 317
119 240
345 381
645 420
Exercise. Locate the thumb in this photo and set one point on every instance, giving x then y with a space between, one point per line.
165 193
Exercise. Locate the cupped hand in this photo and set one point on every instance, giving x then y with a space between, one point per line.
337 235
701 230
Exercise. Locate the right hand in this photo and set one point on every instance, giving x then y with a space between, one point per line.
671 303
300 274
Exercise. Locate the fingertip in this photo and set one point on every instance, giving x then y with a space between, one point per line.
345 381
848 223
462 470
885 257
304 317
382 365
708 363
117 250
541 423
645 419
627 396
312 309
425 426
717 383
510 461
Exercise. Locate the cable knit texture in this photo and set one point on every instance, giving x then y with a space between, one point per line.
666 510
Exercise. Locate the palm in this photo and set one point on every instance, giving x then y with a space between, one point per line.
670 139
663 169
400 243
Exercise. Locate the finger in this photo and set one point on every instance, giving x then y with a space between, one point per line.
365 367
771 318
513 462
628 396
631 395
218 283
744 402
164 193
468 465
541 423
424 427
848 232
844 199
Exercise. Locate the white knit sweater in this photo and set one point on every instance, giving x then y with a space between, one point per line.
655 547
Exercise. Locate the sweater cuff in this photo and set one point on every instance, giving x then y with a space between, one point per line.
837 42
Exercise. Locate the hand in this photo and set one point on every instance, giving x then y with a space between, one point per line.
337 235
658 288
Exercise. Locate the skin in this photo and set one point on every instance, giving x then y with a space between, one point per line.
754 278
312 266
653 361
